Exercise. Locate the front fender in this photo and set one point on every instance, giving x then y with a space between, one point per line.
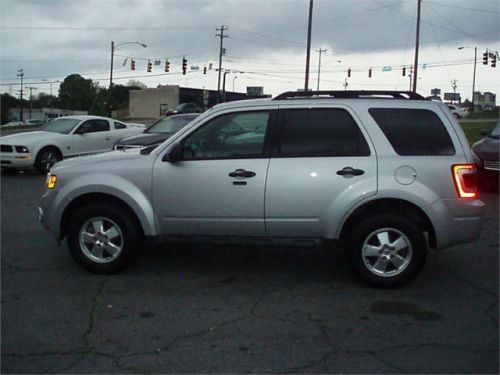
116 186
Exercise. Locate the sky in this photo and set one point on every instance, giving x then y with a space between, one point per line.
266 43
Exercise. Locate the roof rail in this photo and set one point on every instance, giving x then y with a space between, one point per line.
358 94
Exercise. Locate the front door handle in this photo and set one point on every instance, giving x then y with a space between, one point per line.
242 173
350 171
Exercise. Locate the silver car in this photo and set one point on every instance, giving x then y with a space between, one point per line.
384 174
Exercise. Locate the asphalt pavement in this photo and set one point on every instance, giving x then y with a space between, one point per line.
199 309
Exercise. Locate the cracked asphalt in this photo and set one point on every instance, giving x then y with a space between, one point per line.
198 309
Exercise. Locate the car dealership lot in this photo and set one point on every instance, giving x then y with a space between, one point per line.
186 308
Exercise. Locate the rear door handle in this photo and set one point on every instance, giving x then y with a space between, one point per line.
242 173
350 171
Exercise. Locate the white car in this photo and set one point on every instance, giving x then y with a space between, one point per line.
13 123
62 138
457 111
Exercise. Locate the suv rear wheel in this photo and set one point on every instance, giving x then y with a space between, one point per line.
387 250
102 238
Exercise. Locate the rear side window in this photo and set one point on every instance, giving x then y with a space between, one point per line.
413 131
320 132
119 125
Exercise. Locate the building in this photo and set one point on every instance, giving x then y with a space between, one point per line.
42 114
482 101
152 103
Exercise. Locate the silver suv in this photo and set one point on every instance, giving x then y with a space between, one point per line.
384 174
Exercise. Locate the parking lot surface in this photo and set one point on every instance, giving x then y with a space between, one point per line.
199 309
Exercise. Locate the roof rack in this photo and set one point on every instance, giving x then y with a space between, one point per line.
358 94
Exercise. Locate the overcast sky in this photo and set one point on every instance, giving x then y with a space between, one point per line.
50 39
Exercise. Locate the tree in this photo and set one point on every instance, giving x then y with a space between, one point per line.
77 93
7 103
136 85
44 100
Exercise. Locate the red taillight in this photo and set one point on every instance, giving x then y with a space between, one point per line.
464 176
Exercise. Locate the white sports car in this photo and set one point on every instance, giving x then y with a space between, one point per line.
61 138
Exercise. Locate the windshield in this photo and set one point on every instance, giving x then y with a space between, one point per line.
170 124
60 125
495 132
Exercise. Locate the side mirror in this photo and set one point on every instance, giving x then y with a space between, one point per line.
484 132
176 153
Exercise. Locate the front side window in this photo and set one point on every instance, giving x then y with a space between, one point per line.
413 131
230 136
320 132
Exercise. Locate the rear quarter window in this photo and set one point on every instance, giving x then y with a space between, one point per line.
413 131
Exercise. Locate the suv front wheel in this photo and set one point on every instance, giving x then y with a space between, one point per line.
387 250
102 238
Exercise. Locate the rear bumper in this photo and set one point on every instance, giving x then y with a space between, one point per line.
456 221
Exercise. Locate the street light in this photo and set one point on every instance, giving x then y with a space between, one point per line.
473 76
51 94
113 46
21 75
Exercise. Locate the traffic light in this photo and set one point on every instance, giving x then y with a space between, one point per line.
167 66
403 73
494 61
485 58
204 70
370 73
184 65
132 64
349 72
150 66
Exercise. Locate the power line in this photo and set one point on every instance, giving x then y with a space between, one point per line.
463 8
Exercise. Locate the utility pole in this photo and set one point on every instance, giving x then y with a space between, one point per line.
410 74
224 87
308 54
319 63
31 95
474 79
415 65
21 74
454 87
222 36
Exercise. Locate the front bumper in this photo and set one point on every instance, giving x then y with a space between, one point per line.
46 212
16 160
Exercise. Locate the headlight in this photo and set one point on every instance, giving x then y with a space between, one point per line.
51 181
22 149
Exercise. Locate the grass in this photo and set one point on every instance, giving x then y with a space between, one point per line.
472 130
492 115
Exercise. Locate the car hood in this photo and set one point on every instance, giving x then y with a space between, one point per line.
144 139
97 161
487 149
24 139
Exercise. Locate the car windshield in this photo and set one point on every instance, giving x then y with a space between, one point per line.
60 125
495 132
170 124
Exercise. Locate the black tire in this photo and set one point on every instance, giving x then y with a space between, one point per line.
366 241
128 240
46 158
